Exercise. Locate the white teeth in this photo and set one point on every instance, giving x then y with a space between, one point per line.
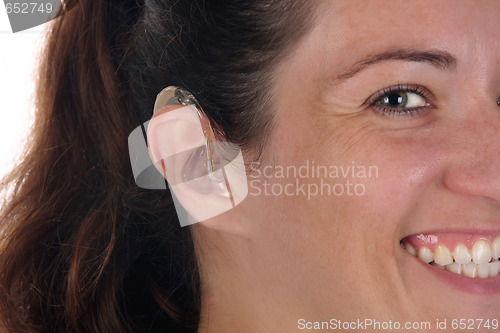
411 249
483 270
481 252
455 268
470 270
475 263
425 255
438 265
496 248
462 254
494 268
442 256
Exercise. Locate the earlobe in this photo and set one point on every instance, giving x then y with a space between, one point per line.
202 175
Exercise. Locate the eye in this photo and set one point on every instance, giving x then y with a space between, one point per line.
401 100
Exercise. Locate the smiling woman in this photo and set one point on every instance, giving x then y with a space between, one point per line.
408 89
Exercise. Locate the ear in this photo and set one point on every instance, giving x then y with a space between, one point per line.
178 148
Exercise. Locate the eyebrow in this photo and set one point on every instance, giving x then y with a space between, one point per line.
437 58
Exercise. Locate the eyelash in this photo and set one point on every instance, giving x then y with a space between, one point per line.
374 101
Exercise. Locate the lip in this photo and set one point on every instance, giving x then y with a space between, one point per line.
475 286
485 232
450 238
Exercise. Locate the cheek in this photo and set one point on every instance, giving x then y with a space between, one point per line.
324 240
409 169
374 180
397 175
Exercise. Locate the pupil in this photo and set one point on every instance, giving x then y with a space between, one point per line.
395 100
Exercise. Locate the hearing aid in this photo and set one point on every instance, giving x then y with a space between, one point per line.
206 176
207 159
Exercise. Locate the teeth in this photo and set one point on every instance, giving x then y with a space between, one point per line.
481 252
425 255
483 270
496 248
475 263
462 254
455 268
442 256
494 268
438 265
470 270
411 249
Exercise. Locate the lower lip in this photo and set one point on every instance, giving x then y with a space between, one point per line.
476 286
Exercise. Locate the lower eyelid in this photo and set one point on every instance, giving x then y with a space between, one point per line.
403 113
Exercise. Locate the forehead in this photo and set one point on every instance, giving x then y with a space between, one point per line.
368 17
353 27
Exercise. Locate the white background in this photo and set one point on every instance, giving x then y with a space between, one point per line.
18 55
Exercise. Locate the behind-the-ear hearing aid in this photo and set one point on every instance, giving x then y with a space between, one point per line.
214 169
206 159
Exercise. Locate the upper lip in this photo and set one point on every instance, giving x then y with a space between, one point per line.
470 231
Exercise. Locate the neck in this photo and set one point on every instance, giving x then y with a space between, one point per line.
239 295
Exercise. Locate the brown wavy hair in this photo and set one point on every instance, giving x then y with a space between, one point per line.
82 248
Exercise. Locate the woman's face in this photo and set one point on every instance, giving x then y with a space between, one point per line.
393 106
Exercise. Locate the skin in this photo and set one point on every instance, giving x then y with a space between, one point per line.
276 259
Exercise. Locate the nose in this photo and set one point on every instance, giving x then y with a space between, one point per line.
474 167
